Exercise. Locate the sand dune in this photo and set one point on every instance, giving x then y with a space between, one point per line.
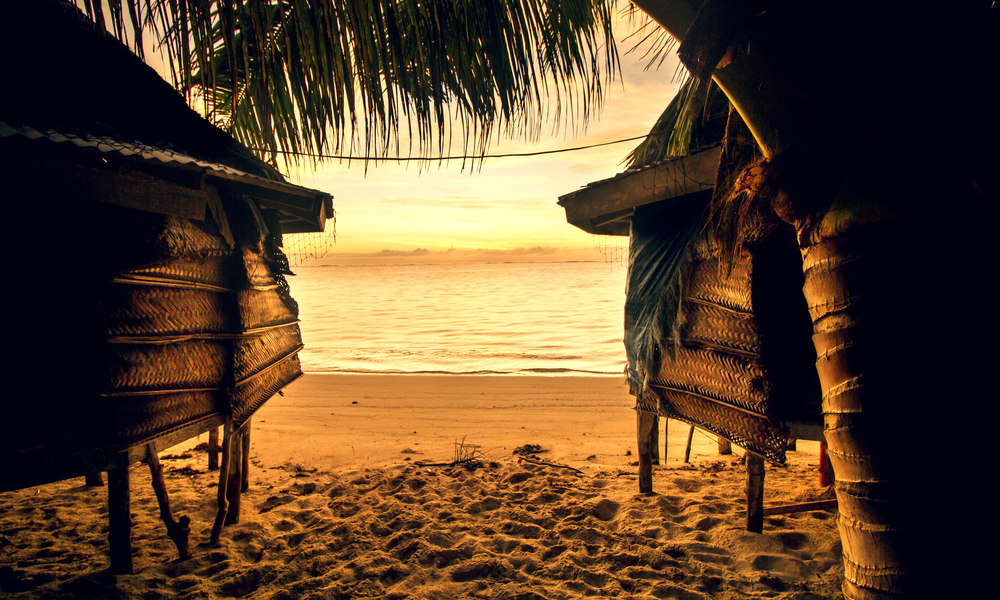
386 527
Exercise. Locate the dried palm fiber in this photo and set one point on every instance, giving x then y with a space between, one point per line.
141 308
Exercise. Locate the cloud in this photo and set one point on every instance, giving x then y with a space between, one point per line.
395 253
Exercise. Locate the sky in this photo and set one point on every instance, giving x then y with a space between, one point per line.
504 211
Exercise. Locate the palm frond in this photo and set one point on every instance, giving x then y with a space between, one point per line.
687 125
306 77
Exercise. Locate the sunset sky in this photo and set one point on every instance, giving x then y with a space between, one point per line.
507 209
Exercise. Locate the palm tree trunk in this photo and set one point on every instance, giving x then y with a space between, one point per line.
893 288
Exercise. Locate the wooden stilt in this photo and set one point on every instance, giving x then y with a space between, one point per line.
179 531
220 517
644 424
233 494
792 444
755 493
725 448
654 440
119 521
687 450
825 468
93 479
666 439
213 449
245 471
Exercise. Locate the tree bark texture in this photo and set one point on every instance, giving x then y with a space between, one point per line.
234 486
223 503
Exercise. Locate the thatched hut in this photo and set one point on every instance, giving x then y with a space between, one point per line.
147 282
716 331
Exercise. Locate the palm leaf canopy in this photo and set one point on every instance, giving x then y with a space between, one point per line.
305 77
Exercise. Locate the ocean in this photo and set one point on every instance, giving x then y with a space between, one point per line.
460 318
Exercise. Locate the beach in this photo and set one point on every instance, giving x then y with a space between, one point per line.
338 506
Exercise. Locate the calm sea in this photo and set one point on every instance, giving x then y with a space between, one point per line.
516 318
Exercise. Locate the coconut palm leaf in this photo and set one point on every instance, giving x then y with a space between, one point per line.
305 77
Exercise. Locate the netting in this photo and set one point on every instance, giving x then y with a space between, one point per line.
300 247
614 248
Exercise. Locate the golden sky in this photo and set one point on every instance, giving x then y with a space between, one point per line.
506 210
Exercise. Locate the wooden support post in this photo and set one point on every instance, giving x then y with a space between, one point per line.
644 424
233 494
654 440
825 468
792 444
179 531
119 521
755 493
245 471
687 450
725 448
666 439
93 479
220 517
213 449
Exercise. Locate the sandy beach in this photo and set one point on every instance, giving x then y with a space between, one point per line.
337 507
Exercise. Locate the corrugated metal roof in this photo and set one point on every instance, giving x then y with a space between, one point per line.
126 149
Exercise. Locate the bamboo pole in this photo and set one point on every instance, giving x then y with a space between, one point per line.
220 517
687 450
654 440
725 447
179 531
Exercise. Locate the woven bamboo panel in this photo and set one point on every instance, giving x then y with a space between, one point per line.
707 283
251 393
182 365
757 433
715 326
210 270
258 272
153 310
256 353
726 377
140 417
263 308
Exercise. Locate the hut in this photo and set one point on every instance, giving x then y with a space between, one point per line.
148 300
716 330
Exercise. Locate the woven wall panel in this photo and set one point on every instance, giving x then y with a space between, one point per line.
757 433
251 393
263 308
182 365
256 353
151 310
705 282
140 417
211 270
707 372
709 324
187 238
